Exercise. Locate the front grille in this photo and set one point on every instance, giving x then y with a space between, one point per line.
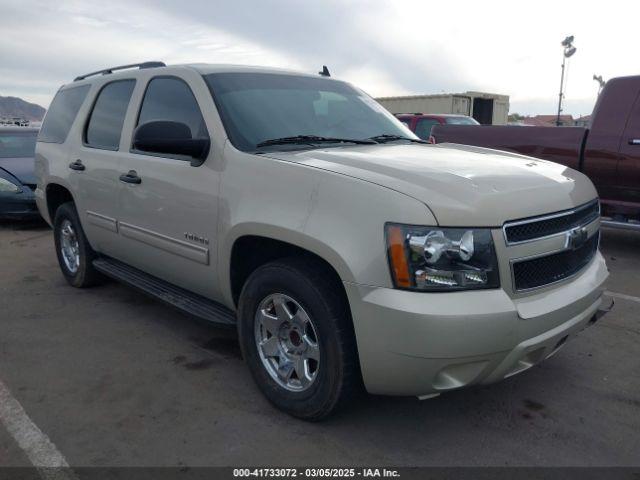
541 271
544 226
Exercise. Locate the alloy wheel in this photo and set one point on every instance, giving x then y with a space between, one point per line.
69 247
287 342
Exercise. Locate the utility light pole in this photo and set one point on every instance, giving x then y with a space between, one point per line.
569 50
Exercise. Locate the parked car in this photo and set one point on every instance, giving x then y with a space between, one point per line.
486 108
608 151
17 178
296 209
422 123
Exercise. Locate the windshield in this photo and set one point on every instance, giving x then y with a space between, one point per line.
257 107
17 144
461 121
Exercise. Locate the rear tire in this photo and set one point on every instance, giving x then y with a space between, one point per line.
75 255
308 366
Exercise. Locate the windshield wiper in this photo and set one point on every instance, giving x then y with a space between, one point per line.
384 138
311 139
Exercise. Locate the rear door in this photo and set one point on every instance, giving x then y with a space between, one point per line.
168 221
95 163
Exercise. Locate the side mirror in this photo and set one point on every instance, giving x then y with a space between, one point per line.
173 138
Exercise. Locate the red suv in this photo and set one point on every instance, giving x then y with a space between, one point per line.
421 123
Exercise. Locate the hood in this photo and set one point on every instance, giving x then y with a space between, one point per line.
21 168
461 185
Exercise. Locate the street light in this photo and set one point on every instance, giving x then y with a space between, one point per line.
569 50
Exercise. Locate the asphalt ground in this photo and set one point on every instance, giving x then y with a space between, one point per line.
112 378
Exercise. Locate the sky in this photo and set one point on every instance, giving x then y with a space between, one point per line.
384 47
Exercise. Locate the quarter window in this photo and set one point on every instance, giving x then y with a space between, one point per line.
62 112
107 117
170 99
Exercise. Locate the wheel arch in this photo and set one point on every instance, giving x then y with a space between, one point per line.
55 195
253 246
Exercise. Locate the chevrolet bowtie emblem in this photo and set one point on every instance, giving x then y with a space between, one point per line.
576 237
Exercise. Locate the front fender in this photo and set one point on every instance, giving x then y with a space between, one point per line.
273 232
337 217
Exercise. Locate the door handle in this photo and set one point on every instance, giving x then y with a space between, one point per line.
77 165
634 141
131 177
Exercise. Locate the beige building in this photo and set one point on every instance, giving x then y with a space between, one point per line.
486 108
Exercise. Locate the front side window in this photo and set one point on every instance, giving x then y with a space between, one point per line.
62 112
105 124
17 144
171 99
424 126
258 107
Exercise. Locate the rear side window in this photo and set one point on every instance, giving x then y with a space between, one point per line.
171 99
62 113
105 124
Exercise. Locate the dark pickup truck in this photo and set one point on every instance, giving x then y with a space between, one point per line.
608 152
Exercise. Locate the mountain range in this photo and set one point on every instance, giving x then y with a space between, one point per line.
17 107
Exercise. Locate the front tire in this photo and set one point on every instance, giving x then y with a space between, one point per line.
75 255
297 337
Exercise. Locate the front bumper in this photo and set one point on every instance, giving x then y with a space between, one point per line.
415 343
18 205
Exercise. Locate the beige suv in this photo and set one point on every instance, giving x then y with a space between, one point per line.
347 251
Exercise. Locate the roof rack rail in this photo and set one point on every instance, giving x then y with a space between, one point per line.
107 71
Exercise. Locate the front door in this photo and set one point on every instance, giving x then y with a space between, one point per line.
605 141
169 208
628 174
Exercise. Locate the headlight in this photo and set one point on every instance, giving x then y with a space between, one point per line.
437 259
7 186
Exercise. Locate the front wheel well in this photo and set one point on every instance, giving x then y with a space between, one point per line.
250 252
56 195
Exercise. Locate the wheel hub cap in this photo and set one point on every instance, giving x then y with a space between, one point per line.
69 247
295 338
287 342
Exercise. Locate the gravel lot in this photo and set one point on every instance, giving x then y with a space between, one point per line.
114 378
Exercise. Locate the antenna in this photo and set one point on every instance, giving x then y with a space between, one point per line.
324 72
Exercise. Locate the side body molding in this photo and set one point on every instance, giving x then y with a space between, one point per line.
199 254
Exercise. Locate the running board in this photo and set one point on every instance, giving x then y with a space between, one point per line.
182 299
620 225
